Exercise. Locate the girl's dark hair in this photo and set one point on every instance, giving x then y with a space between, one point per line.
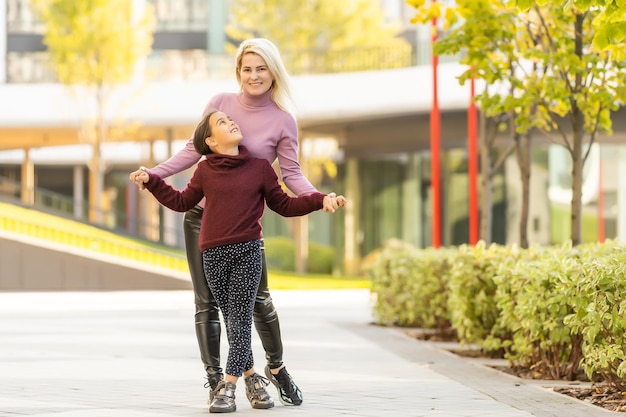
203 131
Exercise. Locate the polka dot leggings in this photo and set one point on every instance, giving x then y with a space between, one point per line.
233 273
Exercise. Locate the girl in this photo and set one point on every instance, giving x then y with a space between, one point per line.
236 188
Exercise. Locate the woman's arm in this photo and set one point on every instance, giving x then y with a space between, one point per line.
181 160
287 154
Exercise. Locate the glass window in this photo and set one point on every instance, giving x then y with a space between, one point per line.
181 15
188 65
21 18
29 67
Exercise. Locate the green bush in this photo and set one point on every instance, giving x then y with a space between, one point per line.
472 304
600 314
552 310
535 300
280 256
410 286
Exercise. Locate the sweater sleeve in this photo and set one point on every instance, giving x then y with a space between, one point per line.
173 199
287 153
280 202
181 160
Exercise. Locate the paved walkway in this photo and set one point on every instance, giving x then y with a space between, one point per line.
134 354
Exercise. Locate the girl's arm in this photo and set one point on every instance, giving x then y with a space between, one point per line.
280 202
170 197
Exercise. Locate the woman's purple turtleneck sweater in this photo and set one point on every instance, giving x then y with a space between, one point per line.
268 133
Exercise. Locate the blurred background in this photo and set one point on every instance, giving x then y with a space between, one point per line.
362 75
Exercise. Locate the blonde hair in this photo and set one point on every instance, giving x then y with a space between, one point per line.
281 88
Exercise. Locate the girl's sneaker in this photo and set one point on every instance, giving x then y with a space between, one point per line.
224 400
256 393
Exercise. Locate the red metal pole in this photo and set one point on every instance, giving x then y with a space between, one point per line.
472 156
434 148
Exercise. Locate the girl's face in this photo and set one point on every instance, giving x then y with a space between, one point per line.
255 76
225 133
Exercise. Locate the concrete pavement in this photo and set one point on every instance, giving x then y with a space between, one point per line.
134 354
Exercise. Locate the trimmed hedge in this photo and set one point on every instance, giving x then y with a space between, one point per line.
554 310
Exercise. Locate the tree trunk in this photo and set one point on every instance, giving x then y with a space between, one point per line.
96 172
485 183
94 184
577 146
577 183
524 162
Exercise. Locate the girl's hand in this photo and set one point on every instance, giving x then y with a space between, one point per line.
332 202
139 177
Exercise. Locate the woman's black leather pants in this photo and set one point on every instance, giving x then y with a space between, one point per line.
207 319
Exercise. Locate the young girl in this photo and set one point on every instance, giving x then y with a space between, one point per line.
236 188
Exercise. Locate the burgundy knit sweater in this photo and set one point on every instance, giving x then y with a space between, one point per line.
236 189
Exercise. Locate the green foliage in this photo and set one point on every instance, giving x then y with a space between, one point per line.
349 26
600 314
472 303
554 310
534 300
280 256
95 42
535 54
96 45
410 286
609 21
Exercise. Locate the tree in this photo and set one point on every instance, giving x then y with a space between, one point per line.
94 46
355 35
562 86
579 88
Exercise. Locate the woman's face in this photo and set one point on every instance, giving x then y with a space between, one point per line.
255 76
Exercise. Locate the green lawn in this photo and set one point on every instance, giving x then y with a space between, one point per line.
64 231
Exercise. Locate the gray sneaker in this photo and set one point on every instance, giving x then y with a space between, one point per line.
288 391
256 393
224 400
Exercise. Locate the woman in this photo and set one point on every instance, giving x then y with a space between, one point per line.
231 247
263 108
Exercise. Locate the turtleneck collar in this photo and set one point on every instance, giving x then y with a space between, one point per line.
222 161
256 101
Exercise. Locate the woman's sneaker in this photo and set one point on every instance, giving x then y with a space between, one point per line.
256 393
212 383
288 391
224 400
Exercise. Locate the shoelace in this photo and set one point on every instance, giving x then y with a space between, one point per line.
207 384
225 390
257 382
